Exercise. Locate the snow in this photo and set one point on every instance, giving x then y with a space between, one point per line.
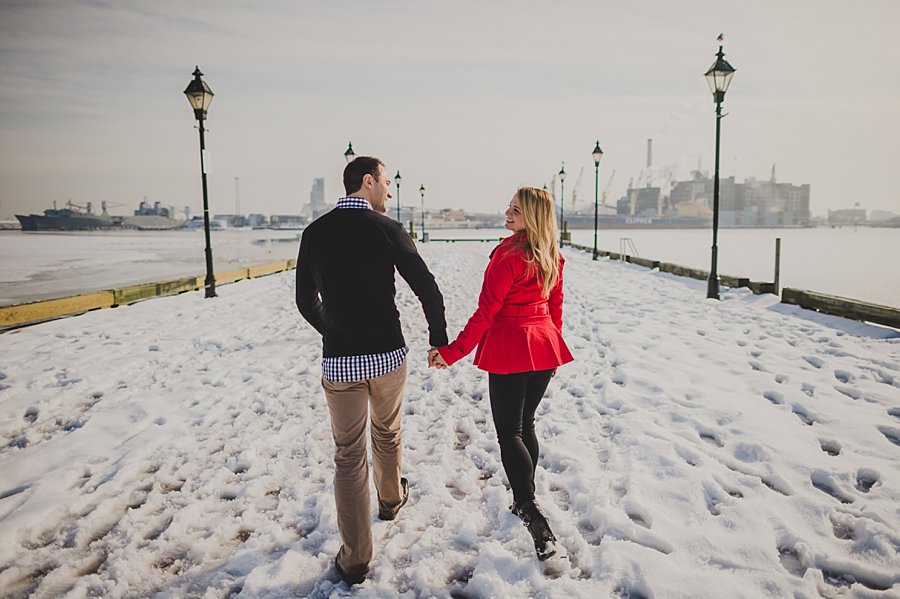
180 447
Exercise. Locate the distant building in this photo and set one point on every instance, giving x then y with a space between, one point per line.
287 220
847 216
232 220
317 205
753 203
256 220
882 215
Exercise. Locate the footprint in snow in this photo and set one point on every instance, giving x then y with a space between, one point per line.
844 376
626 591
803 415
822 481
775 397
866 478
850 392
830 447
31 414
842 527
576 391
560 497
895 412
750 453
891 434
808 389
814 361
710 436
713 497
791 561
781 378
639 515
757 366
690 458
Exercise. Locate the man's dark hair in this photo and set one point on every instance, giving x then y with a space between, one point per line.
359 168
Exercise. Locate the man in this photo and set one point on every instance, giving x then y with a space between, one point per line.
345 290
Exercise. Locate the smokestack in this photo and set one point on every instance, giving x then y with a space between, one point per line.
649 153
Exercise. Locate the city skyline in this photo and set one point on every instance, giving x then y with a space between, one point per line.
469 99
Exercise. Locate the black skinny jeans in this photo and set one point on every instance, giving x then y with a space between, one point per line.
514 400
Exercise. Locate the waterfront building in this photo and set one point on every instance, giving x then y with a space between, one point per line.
287 221
232 221
753 203
256 220
847 216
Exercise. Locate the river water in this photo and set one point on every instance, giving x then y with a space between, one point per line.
859 263
855 262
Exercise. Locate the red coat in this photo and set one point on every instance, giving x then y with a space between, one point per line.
515 327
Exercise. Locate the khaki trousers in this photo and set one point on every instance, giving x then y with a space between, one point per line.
349 406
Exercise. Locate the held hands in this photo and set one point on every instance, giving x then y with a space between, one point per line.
435 360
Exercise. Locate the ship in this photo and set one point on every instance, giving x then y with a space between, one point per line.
81 218
623 221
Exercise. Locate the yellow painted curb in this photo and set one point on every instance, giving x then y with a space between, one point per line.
35 312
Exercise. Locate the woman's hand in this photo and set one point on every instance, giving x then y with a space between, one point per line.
435 360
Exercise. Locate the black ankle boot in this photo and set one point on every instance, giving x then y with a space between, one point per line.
536 523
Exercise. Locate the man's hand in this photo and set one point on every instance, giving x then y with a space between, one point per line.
435 360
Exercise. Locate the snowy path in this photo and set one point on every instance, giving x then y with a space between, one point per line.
181 447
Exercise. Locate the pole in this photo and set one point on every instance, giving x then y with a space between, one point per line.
210 282
777 263
398 201
423 215
596 204
712 290
562 211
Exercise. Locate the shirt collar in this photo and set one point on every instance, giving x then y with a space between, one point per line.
349 202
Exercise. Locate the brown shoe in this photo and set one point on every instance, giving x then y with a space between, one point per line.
350 579
390 514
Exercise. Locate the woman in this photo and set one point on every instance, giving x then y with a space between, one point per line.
517 328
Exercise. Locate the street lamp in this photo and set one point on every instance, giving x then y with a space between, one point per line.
349 155
718 77
397 180
422 193
200 97
597 154
562 203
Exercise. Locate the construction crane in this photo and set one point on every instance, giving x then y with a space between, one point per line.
577 190
663 194
633 192
608 185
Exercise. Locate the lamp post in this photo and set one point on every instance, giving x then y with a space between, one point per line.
597 154
422 193
718 77
200 97
397 180
349 155
562 203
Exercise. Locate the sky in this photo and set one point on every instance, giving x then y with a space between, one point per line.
470 99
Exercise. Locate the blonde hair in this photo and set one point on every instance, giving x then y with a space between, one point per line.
539 215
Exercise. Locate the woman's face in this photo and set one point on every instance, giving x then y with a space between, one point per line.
514 220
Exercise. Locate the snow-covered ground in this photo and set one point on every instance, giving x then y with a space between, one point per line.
180 447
